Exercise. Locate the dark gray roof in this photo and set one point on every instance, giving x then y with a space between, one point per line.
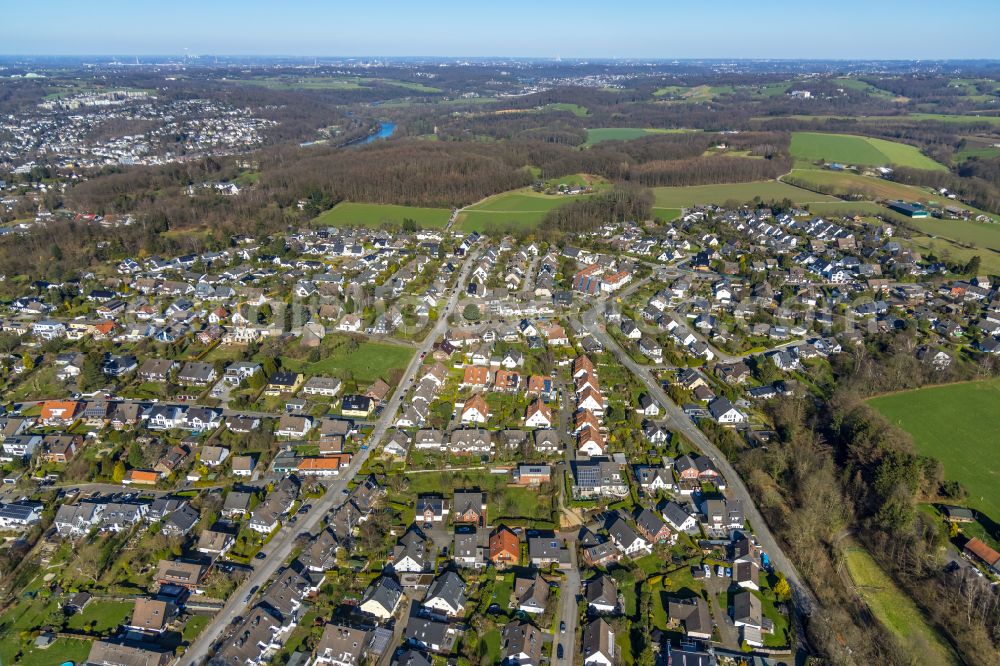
449 587
385 591
602 590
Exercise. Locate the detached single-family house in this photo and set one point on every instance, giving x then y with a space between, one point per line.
599 644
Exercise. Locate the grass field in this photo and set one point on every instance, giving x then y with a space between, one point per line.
515 505
948 118
61 651
518 208
194 626
702 93
600 134
983 151
957 425
575 109
909 117
767 190
852 149
895 609
862 86
946 249
846 208
374 215
842 182
366 363
102 616
973 233
667 214
27 615
329 83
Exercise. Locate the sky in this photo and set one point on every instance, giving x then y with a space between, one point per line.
847 29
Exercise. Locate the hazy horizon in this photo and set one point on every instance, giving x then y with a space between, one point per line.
584 30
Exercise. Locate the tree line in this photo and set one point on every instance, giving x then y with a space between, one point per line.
837 466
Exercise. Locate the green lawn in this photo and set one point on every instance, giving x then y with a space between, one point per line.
844 183
948 118
502 589
910 117
781 636
579 180
667 214
194 626
329 83
853 149
973 233
846 208
575 109
982 152
515 209
105 616
39 383
767 190
374 215
957 425
61 651
599 134
895 609
702 93
30 614
863 86
492 639
364 364
504 503
946 249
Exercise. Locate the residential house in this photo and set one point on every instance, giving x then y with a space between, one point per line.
446 595
411 552
381 598
474 410
429 633
538 415
469 507
504 548
544 550
532 593
521 644
282 382
182 574
157 370
626 538
692 614
197 373
602 594
599 644
341 645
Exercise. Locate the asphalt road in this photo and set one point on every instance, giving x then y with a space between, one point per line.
678 421
568 608
280 547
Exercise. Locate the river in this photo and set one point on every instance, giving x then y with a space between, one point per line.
385 130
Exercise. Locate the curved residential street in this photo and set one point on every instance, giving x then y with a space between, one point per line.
678 421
